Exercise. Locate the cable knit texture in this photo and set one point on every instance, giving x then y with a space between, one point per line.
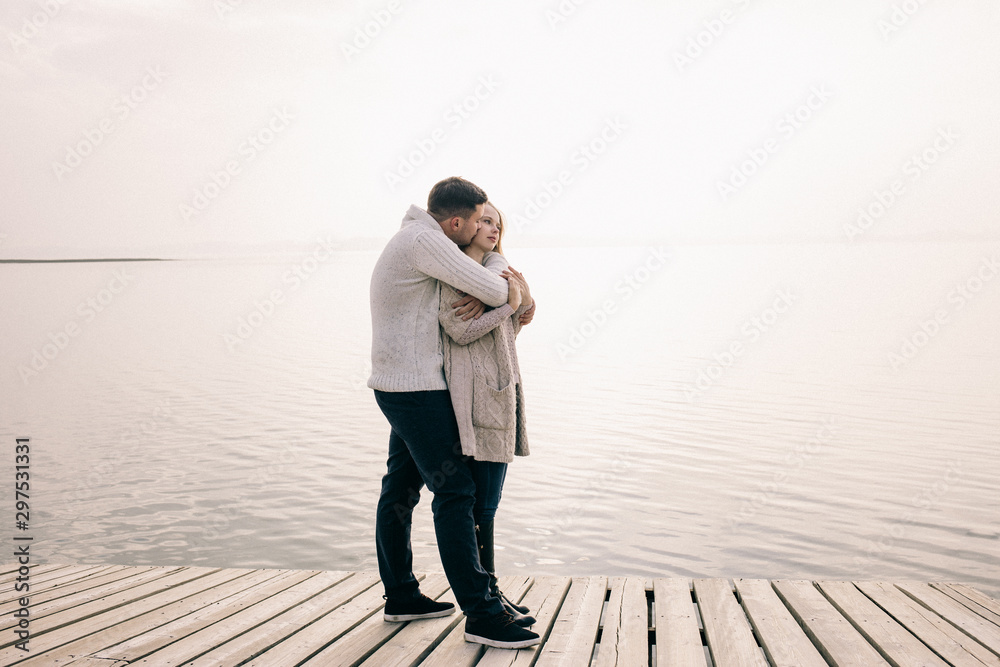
481 369
406 338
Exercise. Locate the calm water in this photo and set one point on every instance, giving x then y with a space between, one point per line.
693 411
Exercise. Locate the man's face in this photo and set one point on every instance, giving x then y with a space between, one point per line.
470 227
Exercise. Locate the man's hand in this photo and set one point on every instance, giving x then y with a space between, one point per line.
528 315
469 307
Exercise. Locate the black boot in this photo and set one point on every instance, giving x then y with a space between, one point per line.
484 536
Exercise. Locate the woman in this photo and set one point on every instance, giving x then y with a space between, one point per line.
480 366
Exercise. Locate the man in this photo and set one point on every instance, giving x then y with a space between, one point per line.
410 389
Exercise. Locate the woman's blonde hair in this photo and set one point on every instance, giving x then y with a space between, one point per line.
502 223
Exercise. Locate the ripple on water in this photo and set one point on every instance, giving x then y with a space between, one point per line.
174 449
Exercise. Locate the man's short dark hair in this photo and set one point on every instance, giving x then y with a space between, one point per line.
454 196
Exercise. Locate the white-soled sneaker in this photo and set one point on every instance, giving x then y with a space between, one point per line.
415 608
499 631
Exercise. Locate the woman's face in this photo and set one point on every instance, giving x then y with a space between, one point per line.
489 230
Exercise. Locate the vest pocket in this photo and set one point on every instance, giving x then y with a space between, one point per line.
493 408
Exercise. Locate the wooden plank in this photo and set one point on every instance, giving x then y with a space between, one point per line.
976 596
544 599
727 631
954 612
454 651
571 641
837 640
91 613
415 641
46 580
268 635
78 576
896 644
12 570
678 639
73 591
324 631
516 586
211 615
371 634
942 637
116 625
625 636
95 662
100 600
783 641
981 609
46 583
79 591
296 588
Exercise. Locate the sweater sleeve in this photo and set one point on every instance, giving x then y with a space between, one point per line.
437 256
495 262
498 263
464 332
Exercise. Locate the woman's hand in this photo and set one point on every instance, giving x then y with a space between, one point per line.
528 315
513 292
513 275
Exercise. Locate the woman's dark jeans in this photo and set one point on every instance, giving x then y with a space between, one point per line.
424 448
489 477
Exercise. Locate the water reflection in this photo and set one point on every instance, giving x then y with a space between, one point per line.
807 455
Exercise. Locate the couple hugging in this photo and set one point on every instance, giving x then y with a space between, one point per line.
445 375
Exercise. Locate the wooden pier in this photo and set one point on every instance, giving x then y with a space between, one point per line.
113 615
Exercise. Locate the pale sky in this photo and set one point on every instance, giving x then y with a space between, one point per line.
120 120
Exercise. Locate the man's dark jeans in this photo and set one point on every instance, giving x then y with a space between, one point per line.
424 448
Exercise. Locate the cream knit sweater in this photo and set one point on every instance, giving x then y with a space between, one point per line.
406 337
480 365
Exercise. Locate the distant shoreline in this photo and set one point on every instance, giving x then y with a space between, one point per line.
63 261
546 243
